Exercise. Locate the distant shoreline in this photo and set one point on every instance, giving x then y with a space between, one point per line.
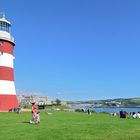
116 107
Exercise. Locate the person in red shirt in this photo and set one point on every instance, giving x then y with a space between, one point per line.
34 112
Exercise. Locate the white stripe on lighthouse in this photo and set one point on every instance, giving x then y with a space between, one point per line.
6 60
7 87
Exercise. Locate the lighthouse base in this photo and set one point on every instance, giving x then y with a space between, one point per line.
8 102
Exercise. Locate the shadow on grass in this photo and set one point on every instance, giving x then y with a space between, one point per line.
26 122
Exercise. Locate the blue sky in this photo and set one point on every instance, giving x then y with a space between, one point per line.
76 49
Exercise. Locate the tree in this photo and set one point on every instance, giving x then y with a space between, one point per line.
58 102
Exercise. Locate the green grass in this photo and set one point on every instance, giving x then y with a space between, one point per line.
68 126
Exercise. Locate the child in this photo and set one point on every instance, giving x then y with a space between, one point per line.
37 119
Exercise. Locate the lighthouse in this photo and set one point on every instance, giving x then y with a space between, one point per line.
8 99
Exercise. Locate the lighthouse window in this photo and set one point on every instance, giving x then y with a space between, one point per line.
4 27
8 28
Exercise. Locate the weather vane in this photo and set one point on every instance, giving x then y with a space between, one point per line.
2 15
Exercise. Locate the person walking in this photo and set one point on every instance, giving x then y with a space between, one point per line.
88 111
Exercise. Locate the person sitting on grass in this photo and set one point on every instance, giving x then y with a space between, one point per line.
138 115
123 114
134 115
113 114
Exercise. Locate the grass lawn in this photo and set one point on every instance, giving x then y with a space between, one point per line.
68 126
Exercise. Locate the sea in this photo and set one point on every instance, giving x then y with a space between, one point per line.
109 110
117 110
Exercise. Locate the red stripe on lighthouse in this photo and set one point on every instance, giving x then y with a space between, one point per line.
6 73
8 102
6 47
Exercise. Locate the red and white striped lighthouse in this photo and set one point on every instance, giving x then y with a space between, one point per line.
8 99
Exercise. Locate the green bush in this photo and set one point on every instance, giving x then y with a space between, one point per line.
79 110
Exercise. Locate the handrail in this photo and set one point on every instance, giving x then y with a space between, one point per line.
11 39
